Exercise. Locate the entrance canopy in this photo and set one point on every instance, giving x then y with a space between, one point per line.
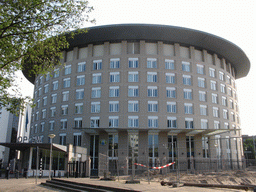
25 146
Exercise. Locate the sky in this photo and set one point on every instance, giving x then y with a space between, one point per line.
233 20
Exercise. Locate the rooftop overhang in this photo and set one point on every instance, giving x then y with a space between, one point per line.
167 34
25 146
188 132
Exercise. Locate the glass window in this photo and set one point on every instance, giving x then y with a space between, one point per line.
51 125
133 121
97 65
95 122
113 106
133 62
95 107
114 77
63 138
201 82
133 106
66 82
47 77
78 108
96 78
63 123
187 94
216 125
80 80
46 88
133 91
56 73
189 124
152 91
169 64
96 92
67 69
77 139
54 98
200 69
213 85
170 78
78 122
215 112
203 110
151 63
212 72
151 77
171 122
152 121
222 88
64 109
221 76
55 85
171 107
53 111
188 108
202 96
214 98
170 92
186 79
152 106
43 113
185 66
44 101
65 96
114 63
113 121
81 67
204 124
133 76
114 91
225 114
79 94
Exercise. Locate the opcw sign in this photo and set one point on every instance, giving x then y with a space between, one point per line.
25 139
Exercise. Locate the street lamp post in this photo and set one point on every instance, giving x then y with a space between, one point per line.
50 165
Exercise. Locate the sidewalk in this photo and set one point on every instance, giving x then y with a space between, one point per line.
27 185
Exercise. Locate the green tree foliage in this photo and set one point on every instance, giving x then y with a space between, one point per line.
32 37
249 149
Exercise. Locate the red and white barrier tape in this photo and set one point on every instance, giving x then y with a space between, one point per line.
167 165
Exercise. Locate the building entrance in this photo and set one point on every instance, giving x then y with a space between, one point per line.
94 154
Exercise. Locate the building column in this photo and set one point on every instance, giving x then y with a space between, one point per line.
143 148
123 152
198 153
30 158
163 150
182 151
103 153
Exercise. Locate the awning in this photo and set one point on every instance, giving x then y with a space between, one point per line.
25 146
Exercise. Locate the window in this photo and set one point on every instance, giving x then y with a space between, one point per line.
185 66
171 122
53 111
37 115
188 108
114 91
133 106
133 91
186 79
39 91
215 111
97 65
64 109
228 80
213 85
170 92
151 77
113 106
152 106
189 123
78 122
222 88
230 91
96 78
187 94
152 91
63 123
47 77
38 103
205 147
79 94
202 96
225 113
77 139
80 80
216 125
170 78
63 138
201 82
152 121
231 104
35 128
44 101
171 107
43 113
200 69
55 85
65 96
114 77
46 88
133 76
113 121
232 115
169 64
96 92
56 73
66 82
95 107
67 69
81 67
51 125
133 62
204 124
78 108
151 63
221 76
133 121
203 110
114 63
95 122
226 125
54 98
214 98
212 72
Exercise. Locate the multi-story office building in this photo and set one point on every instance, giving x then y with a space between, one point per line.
166 92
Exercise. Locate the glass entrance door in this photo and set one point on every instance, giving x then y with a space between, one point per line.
94 154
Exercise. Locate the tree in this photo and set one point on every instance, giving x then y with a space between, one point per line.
248 145
33 34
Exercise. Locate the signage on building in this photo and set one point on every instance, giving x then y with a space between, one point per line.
34 139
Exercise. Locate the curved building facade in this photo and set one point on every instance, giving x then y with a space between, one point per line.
161 93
